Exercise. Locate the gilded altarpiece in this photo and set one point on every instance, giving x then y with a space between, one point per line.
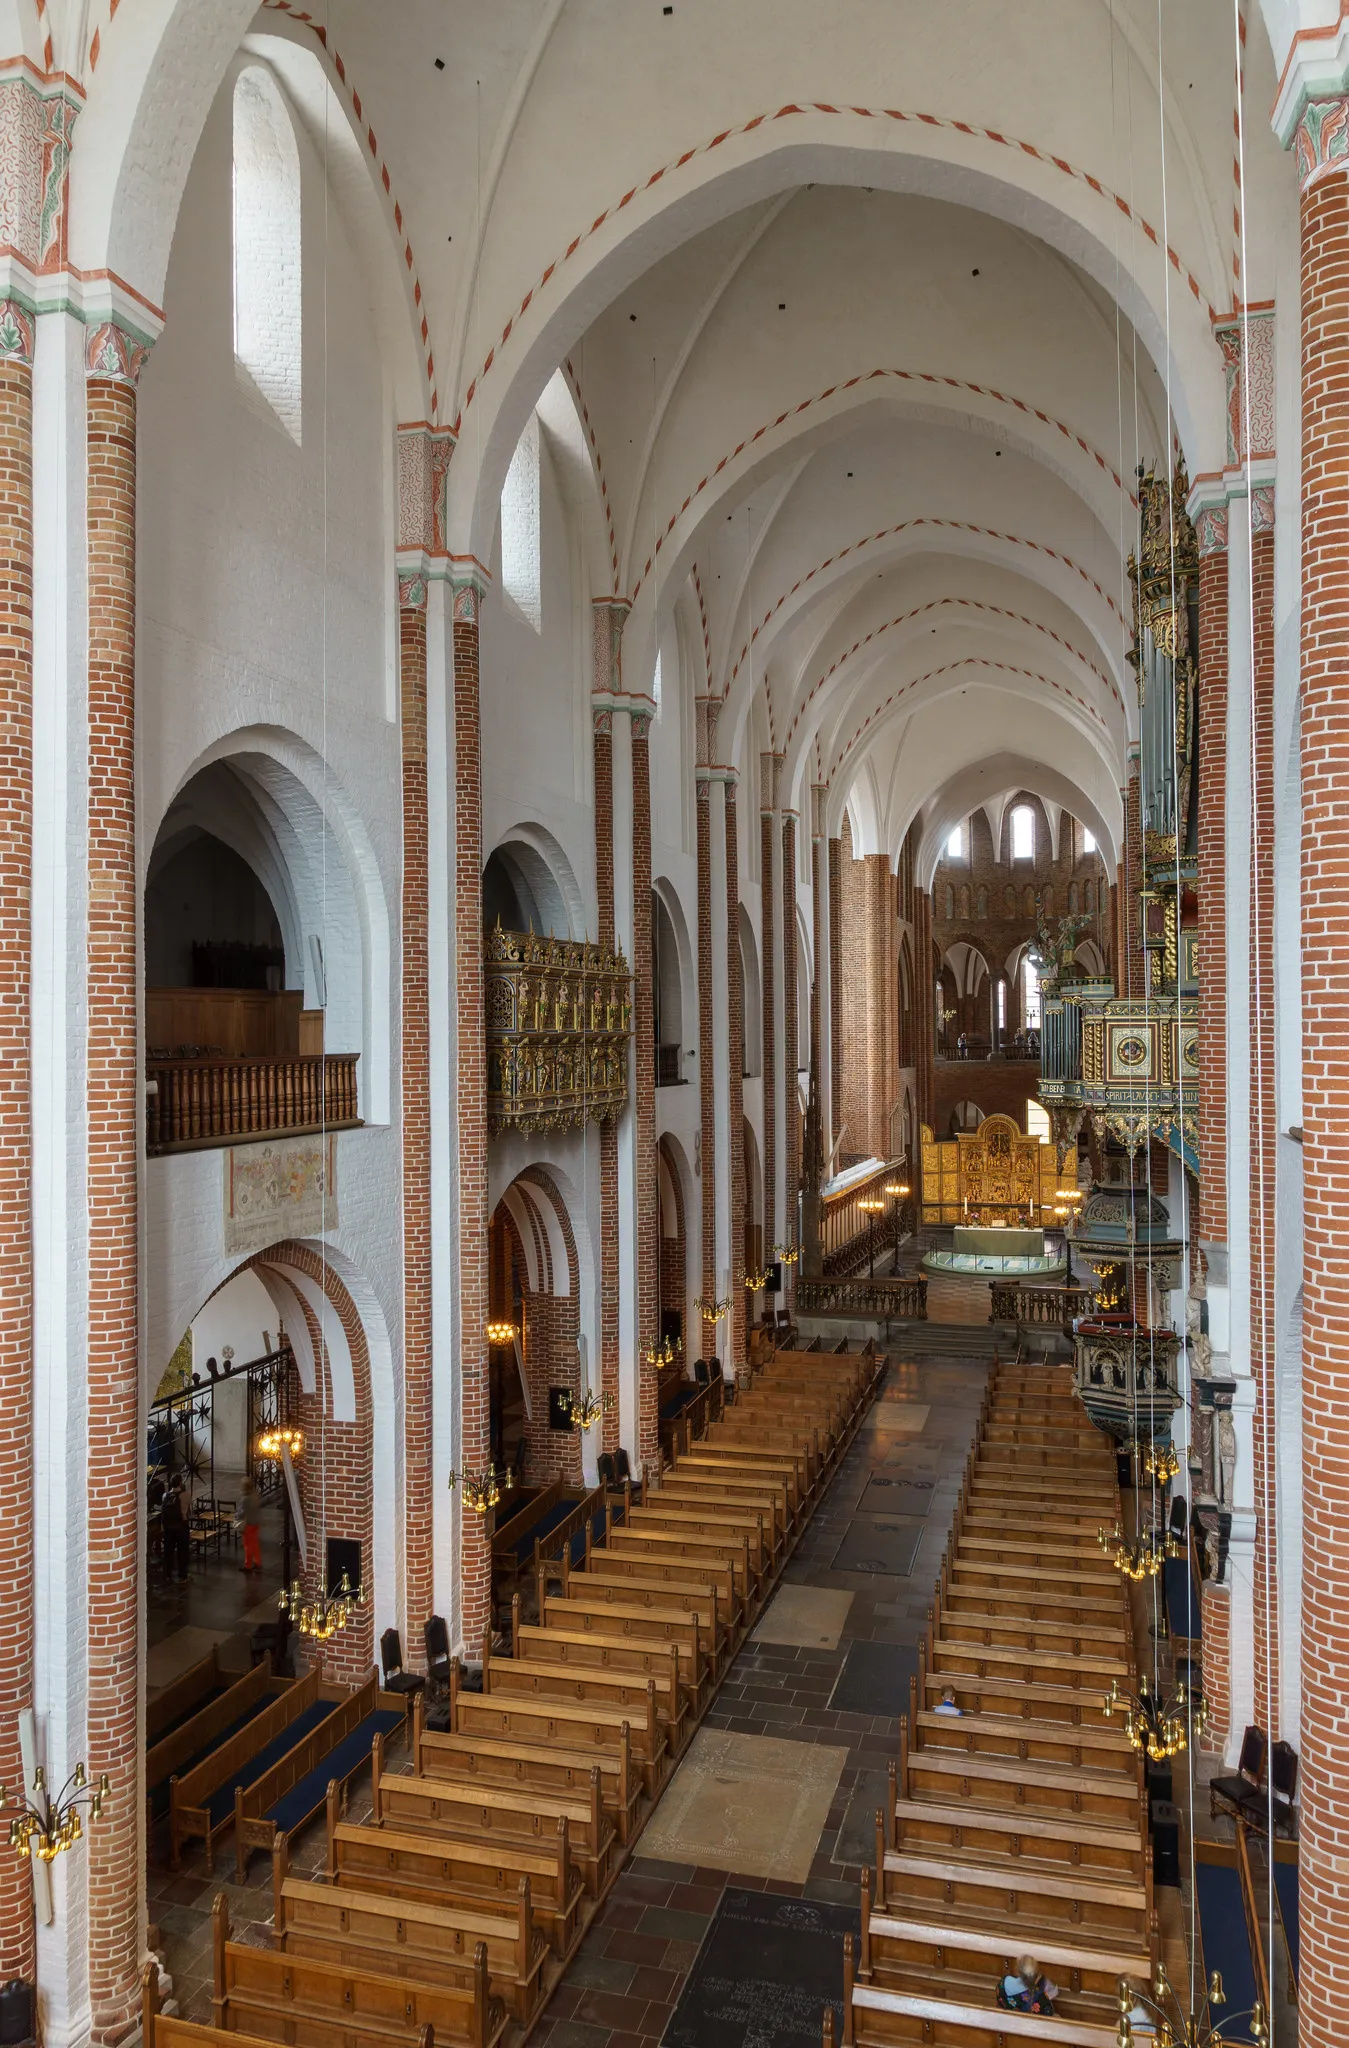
559 1018
993 1175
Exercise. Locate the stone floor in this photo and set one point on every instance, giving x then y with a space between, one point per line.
831 1673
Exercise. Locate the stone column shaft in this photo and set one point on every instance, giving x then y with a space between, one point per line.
643 1025
735 1025
706 1078
789 1048
771 1094
604 891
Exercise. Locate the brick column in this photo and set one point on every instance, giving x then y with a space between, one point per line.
1264 1134
471 1104
706 1097
768 916
416 1124
114 359
735 1120
835 990
818 793
1213 879
643 1025
923 1015
789 1037
604 892
1323 161
17 1936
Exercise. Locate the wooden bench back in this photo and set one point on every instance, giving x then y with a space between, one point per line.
174 1750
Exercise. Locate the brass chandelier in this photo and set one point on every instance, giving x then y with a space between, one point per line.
1170 2026
482 1490
1139 1557
325 1614
1157 1728
44 1827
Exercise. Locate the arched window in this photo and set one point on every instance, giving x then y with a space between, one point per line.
955 845
1031 989
1028 901
950 902
1009 900
1072 899
521 562
267 305
982 905
965 902
1023 833
1049 902
1088 841
1089 899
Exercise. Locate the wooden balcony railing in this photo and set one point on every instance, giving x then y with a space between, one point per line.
901 1298
849 1234
191 1104
1053 1308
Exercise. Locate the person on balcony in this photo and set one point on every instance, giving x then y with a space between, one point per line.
249 1519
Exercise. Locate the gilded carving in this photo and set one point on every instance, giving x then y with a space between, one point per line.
559 1017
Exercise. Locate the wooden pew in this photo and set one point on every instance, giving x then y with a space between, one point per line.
436 1806
728 1524
675 1671
407 1938
712 1466
696 1491
940 1955
583 1725
481 1762
578 1612
1092 1672
454 1870
1095 1747
685 1549
1035 1789
191 1739
1041 1903
165 2030
549 1679
996 1694
664 1575
296 1787
191 1690
317 2004
201 1802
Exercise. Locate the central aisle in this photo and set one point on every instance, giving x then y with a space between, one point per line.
724 1927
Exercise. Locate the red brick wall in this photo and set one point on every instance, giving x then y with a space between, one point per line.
115 1457
643 1024
705 1338
475 1452
552 1325
1323 1988
999 1087
416 1136
604 887
673 1260
836 867
1215 1608
1213 897
1264 1137
17 1942
789 1033
735 1025
768 970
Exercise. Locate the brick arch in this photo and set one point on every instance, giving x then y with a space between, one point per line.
337 1471
550 1297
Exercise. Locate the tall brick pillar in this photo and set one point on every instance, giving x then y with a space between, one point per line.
1264 1132
114 359
735 1022
1323 162
768 915
790 1056
643 1025
925 1037
475 1452
835 991
707 1150
416 1120
607 616
1212 532
17 1937
819 861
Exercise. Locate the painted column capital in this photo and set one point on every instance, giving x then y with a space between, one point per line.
1207 507
413 578
469 584
17 331
423 464
115 352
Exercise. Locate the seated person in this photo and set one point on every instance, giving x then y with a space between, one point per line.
1027 1989
947 1703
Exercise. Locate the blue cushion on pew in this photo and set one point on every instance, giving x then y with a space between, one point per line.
220 1805
305 1798
159 1792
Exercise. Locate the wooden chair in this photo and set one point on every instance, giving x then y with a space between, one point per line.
1229 1794
436 1637
391 1657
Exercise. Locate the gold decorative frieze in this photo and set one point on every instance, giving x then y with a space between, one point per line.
559 1017
1137 1074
